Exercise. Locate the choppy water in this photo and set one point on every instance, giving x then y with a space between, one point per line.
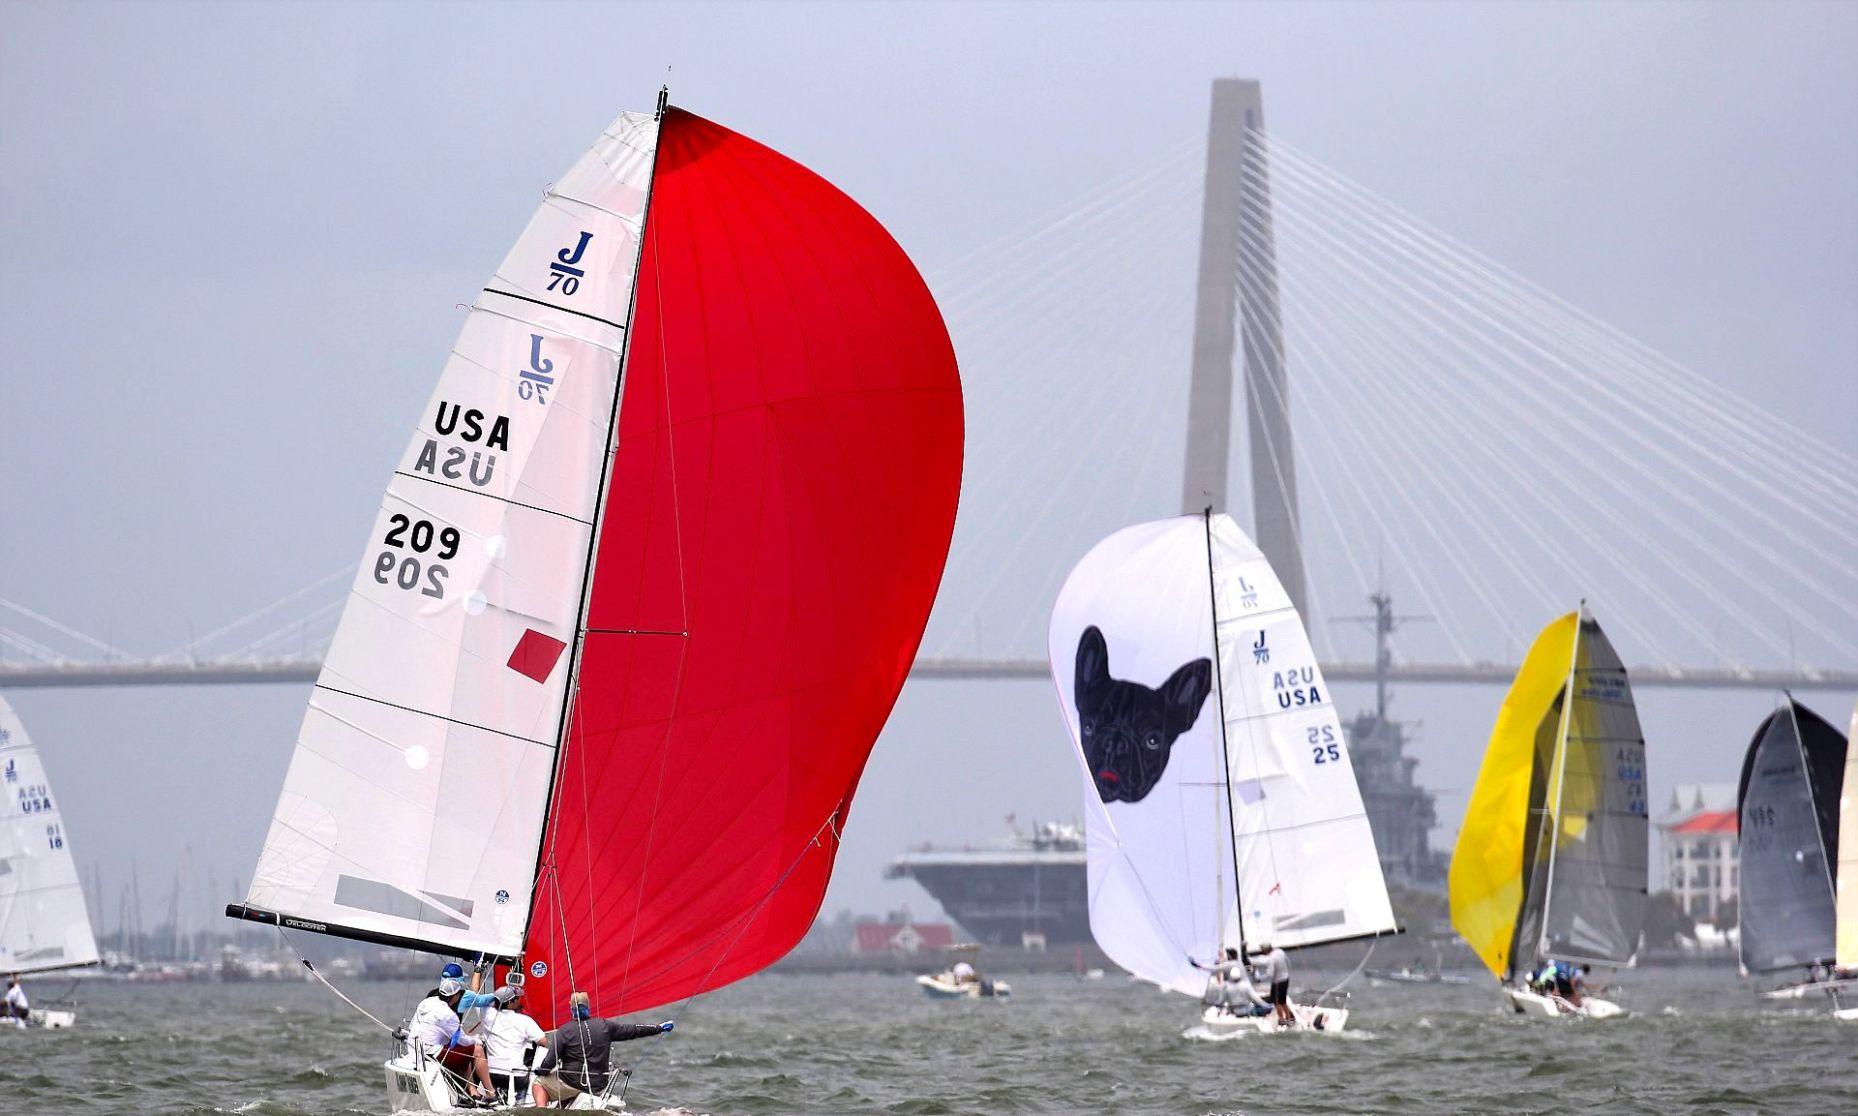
1697 1041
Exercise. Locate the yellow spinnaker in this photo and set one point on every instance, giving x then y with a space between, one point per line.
1486 882
1845 933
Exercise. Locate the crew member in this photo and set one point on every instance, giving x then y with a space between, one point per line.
582 1049
509 1033
17 1009
1273 970
964 973
1229 987
435 1029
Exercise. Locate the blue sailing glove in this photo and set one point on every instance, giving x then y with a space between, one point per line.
666 1026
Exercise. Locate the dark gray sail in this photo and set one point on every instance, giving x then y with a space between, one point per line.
1788 812
1593 903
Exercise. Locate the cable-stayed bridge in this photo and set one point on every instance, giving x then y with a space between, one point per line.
1415 414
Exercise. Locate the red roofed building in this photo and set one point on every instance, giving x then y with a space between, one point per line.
901 936
1701 855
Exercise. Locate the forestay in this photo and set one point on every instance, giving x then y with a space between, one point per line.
1788 815
1145 678
413 806
43 920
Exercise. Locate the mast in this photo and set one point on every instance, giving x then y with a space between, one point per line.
1553 819
572 688
1225 754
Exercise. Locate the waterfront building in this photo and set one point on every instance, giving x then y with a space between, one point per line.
1700 848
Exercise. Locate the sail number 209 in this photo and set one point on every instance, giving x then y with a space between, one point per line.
410 571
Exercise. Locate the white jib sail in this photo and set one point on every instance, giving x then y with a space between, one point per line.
1131 644
414 803
43 921
1308 869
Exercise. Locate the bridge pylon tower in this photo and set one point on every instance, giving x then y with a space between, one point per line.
1236 307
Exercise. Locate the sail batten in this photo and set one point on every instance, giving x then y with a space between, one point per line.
44 922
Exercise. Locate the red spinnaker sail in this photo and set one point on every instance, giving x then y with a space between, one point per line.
789 457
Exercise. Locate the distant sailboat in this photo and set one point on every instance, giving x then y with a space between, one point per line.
1551 859
44 923
1787 806
641 594
1221 809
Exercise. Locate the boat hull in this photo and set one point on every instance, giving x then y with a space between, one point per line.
1525 1002
419 1085
1329 1020
943 988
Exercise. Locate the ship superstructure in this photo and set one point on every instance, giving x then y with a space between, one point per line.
1031 883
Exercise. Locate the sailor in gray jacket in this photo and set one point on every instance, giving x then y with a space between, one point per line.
1229 987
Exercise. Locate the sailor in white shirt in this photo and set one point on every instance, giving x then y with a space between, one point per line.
435 1029
963 973
508 1034
17 1009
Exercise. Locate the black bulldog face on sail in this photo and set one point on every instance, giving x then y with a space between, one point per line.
1128 729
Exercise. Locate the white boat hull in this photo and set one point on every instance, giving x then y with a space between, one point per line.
943 987
1839 989
1533 1003
51 1020
1330 1020
416 1084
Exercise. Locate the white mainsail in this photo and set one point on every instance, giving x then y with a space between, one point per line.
1143 681
44 923
1308 869
414 803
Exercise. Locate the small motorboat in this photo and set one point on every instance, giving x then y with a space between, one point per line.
944 986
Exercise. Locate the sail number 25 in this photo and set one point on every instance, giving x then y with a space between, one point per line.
398 568
1324 747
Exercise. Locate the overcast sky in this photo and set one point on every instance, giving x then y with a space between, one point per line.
232 239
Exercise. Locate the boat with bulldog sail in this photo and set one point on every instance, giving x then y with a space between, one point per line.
44 921
640 595
1551 858
1221 810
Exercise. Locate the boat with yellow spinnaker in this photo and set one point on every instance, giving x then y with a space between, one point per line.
1551 859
